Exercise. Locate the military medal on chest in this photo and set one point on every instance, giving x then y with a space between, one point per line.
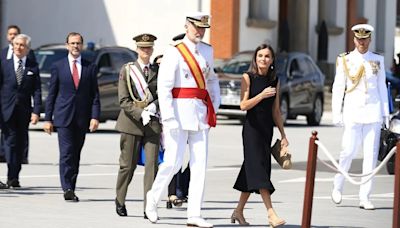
206 69
375 66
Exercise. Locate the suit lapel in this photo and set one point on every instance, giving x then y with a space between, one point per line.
10 68
68 74
83 72
28 66
152 73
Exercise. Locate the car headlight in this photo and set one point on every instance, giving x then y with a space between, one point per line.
394 126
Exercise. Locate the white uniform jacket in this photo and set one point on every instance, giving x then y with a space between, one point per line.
174 72
368 102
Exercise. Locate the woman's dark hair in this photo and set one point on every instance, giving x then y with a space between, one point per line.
253 66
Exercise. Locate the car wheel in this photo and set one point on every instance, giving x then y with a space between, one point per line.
284 109
314 118
390 165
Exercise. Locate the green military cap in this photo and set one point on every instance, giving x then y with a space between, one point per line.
145 40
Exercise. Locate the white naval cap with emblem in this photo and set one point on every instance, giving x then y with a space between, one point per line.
362 30
200 19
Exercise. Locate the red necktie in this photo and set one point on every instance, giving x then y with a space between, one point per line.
75 75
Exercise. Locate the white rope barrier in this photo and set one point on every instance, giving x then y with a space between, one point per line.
348 176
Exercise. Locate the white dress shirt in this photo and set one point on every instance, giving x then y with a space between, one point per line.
16 60
10 51
78 64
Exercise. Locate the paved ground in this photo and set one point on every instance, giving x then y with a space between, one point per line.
40 203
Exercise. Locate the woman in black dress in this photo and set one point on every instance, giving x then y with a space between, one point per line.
260 98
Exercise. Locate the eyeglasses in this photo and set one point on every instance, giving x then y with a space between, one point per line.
75 43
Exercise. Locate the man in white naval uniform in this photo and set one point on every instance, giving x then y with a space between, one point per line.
360 79
188 92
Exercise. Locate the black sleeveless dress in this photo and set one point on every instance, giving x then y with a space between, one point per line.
257 132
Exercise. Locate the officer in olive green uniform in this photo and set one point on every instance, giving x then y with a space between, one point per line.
138 120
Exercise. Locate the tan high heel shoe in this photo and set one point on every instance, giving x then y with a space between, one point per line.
279 222
239 218
173 199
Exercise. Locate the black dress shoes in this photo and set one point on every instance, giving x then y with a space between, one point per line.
121 209
3 186
69 195
13 183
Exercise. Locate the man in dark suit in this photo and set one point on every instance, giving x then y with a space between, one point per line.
6 53
20 83
138 121
73 100
2 185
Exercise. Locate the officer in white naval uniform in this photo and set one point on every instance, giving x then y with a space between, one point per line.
186 119
360 80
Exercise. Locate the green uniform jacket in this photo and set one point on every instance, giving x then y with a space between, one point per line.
129 119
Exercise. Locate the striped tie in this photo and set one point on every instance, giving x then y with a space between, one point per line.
146 71
19 73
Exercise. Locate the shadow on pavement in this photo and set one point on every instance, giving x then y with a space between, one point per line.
302 166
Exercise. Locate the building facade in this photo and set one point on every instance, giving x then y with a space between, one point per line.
320 28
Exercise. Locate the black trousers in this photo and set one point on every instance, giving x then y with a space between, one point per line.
70 142
15 132
179 184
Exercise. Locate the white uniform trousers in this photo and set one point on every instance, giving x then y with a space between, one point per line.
354 135
175 144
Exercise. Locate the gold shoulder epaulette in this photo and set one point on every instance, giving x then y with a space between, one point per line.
344 54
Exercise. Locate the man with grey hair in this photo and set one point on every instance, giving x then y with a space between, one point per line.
7 53
19 85
188 94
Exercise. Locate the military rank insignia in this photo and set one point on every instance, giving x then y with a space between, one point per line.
375 65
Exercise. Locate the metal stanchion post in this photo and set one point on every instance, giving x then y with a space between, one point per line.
396 201
310 179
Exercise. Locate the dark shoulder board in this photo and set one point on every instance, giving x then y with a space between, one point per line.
344 54
376 53
206 43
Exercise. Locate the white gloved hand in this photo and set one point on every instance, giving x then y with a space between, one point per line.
170 123
151 108
146 116
337 120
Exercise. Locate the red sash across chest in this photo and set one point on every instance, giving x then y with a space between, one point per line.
200 92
